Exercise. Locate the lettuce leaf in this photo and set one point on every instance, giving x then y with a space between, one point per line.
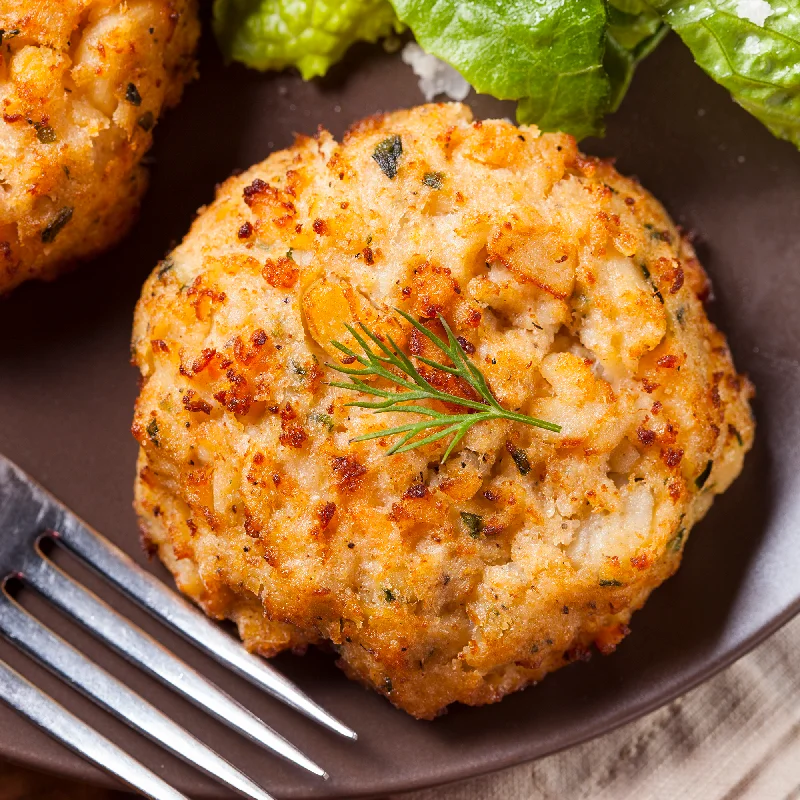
308 34
632 23
634 31
751 47
568 63
548 54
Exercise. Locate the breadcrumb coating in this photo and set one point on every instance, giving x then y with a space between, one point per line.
568 287
82 84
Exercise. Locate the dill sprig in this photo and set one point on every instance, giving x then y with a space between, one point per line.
414 388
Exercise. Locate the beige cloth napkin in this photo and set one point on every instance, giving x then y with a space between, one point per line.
736 736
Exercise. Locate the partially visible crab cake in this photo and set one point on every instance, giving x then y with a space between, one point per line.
571 290
82 84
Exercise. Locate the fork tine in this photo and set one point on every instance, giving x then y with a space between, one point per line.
45 712
146 590
140 648
19 627
36 510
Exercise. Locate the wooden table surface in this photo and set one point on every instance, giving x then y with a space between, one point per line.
736 736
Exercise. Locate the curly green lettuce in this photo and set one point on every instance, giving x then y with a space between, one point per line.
547 54
567 62
311 35
751 47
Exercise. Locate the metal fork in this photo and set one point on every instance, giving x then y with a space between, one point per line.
28 515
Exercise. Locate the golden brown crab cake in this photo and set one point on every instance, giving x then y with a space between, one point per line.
568 287
82 84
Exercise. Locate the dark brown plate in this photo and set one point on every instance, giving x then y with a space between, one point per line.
66 393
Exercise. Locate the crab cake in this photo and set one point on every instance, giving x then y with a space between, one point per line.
566 285
82 84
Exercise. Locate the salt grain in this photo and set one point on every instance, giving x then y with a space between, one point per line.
755 11
435 76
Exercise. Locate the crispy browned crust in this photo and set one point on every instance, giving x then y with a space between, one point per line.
576 296
72 132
